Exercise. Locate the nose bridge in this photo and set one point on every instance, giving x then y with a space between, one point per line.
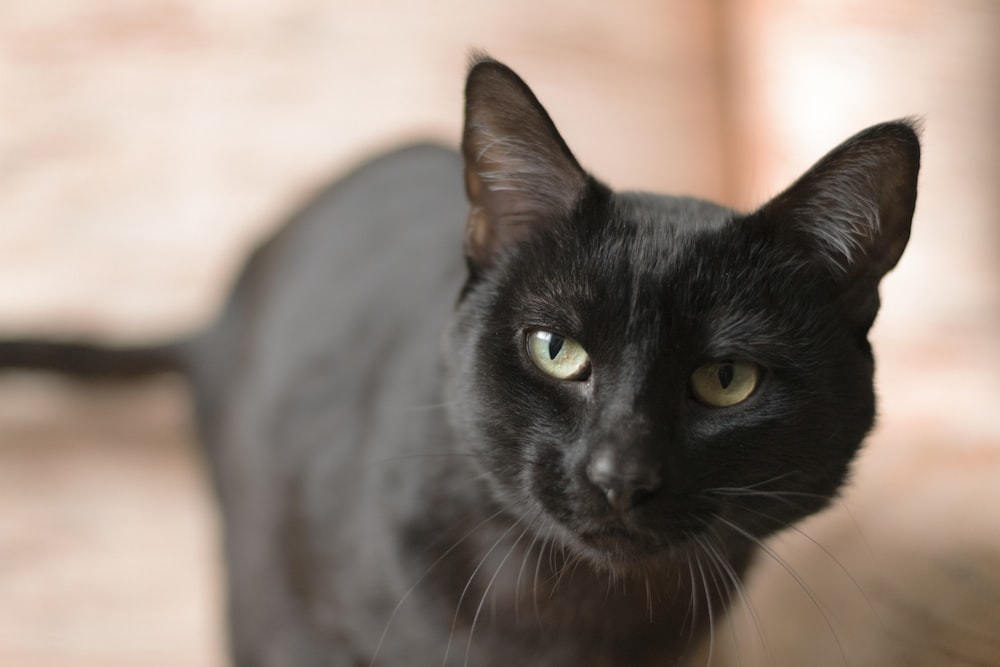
627 446
632 409
627 457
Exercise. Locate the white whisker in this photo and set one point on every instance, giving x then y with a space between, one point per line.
711 619
468 584
489 585
520 572
795 576
727 568
836 561
420 579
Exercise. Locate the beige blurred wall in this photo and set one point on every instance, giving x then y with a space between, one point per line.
145 144
802 75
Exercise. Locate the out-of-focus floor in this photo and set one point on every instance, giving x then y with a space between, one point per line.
144 147
107 529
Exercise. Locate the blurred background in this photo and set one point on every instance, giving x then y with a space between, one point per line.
147 145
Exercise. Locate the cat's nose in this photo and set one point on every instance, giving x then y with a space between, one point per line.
624 484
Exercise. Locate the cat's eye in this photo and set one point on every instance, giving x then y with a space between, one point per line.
721 384
561 357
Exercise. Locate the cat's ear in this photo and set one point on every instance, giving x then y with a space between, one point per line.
851 212
519 173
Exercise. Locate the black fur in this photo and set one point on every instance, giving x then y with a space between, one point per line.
393 496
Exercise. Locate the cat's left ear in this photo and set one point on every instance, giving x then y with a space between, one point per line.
519 173
850 213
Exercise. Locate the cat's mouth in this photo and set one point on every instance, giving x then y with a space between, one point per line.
611 534
618 543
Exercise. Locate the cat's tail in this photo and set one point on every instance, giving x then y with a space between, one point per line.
91 360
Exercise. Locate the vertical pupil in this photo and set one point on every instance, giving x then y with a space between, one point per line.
725 374
555 345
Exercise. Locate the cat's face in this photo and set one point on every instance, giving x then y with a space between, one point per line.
639 372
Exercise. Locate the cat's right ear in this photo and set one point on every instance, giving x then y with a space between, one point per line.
519 173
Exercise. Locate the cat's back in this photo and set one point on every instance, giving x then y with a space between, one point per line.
369 260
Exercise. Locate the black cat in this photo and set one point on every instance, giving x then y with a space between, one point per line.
630 393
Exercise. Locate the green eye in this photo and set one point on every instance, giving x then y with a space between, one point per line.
562 358
721 384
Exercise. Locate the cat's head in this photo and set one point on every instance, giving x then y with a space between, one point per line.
636 371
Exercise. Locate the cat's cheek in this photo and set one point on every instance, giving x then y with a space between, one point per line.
547 484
